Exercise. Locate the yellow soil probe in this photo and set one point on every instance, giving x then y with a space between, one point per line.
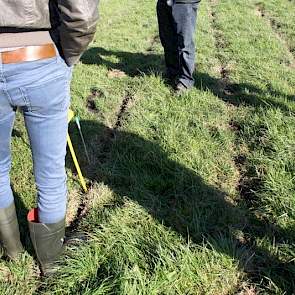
81 178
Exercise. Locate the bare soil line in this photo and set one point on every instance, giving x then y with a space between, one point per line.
95 94
81 203
123 111
274 25
81 209
223 86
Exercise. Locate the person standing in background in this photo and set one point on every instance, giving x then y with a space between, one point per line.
177 26
40 41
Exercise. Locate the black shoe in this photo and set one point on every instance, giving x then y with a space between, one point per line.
170 79
181 88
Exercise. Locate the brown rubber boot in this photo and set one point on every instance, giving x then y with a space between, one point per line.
47 240
9 232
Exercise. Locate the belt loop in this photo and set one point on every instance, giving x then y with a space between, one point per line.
1 68
56 50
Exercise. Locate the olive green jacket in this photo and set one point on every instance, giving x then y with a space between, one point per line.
72 23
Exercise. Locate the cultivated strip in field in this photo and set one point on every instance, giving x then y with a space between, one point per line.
191 194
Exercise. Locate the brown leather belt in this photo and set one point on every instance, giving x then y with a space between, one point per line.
28 53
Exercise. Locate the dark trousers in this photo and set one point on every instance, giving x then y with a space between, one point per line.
177 25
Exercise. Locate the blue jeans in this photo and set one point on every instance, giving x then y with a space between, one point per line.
41 90
177 26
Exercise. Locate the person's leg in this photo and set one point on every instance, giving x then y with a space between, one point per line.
7 116
46 118
47 100
9 229
168 37
185 16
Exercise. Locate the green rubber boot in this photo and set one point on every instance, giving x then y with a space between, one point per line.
9 232
47 240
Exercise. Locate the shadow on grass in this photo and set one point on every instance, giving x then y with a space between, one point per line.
243 93
134 64
176 196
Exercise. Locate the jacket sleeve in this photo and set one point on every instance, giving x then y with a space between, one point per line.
77 28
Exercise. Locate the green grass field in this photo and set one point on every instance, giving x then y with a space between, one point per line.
188 195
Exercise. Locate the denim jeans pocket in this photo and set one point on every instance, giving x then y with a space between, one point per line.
50 97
